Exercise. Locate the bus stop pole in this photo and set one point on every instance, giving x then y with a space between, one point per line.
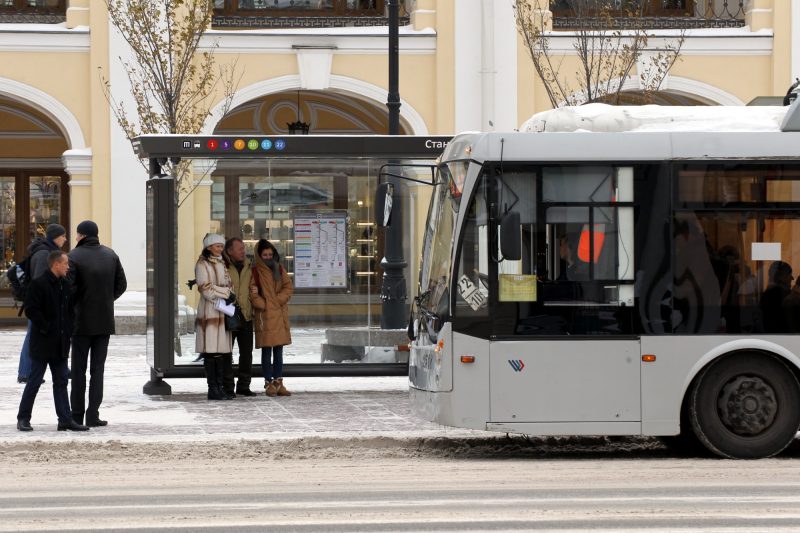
393 288
163 237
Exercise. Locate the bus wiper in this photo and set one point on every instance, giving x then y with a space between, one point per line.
418 299
422 307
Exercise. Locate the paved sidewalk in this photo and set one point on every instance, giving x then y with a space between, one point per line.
320 407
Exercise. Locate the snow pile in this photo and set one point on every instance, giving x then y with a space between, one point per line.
608 118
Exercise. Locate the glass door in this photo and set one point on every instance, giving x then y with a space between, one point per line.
29 201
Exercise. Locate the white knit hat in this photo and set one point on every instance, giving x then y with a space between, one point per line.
212 238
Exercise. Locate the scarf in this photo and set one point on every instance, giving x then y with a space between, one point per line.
276 269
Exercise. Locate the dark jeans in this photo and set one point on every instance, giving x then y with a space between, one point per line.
274 369
60 372
82 345
24 369
244 338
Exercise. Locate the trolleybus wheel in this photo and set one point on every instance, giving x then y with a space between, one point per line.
746 406
686 442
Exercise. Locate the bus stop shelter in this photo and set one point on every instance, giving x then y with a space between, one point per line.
255 187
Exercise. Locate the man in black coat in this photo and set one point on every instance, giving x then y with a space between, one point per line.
54 238
99 280
49 306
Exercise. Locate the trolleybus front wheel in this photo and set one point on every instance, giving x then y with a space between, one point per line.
746 406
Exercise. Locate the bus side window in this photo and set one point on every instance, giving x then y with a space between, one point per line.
517 280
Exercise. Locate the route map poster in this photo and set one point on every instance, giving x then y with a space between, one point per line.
320 250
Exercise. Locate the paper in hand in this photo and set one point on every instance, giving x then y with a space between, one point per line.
227 309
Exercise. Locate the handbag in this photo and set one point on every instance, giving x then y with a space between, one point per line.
235 322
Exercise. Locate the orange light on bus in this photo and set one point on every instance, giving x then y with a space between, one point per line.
439 346
649 358
467 358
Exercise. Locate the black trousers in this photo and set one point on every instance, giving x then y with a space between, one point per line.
88 351
59 373
244 338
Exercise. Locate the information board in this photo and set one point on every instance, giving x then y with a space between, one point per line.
320 250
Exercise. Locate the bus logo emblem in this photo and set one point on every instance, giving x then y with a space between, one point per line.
516 364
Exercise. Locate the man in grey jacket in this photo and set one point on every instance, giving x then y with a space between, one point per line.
99 280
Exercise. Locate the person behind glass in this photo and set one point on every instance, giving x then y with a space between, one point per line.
771 304
239 270
791 307
38 251
212 340
49 305
270 292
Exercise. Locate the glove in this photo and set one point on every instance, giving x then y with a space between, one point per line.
230 299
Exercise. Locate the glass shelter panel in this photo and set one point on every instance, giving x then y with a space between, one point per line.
331 323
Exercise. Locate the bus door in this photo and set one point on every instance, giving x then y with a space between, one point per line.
562 345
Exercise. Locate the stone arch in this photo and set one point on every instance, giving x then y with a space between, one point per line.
697 90
692 88
48 105
340 84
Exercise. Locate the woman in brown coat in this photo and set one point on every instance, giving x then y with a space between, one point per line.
270 292
212 340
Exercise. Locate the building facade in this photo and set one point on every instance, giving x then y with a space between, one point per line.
462 67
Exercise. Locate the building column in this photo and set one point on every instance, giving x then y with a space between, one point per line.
77 13
423 14
194 221
78 164
795 39
760 15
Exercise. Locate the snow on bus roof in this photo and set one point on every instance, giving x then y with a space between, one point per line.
608 118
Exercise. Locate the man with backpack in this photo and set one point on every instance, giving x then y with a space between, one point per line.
33 266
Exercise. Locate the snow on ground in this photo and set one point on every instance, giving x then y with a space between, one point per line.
367 408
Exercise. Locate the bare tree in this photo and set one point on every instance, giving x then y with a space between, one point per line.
606 53
173 83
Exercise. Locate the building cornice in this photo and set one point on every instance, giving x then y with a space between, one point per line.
43 38
54 163
716 42
78 162
349 41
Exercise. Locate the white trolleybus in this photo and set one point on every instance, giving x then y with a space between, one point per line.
644 280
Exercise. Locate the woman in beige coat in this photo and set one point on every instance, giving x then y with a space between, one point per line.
270 292
212 340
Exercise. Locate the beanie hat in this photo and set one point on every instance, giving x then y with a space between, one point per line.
213 238
54 230
88 228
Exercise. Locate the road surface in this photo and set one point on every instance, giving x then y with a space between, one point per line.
389 485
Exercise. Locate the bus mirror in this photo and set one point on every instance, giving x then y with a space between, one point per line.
383 204
510 237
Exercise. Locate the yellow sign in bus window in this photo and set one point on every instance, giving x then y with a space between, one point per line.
517 288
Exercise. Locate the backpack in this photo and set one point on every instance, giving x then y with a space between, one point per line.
19 277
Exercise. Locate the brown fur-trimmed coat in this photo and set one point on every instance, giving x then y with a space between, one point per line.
270 305
213 282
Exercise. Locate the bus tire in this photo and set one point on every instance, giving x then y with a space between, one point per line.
686 442
746 406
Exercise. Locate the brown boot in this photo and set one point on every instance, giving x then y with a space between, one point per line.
282 391
270 389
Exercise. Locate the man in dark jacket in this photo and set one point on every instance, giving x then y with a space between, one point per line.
99 280
49 306
39 249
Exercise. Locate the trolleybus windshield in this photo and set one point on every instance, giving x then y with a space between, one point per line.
438 244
